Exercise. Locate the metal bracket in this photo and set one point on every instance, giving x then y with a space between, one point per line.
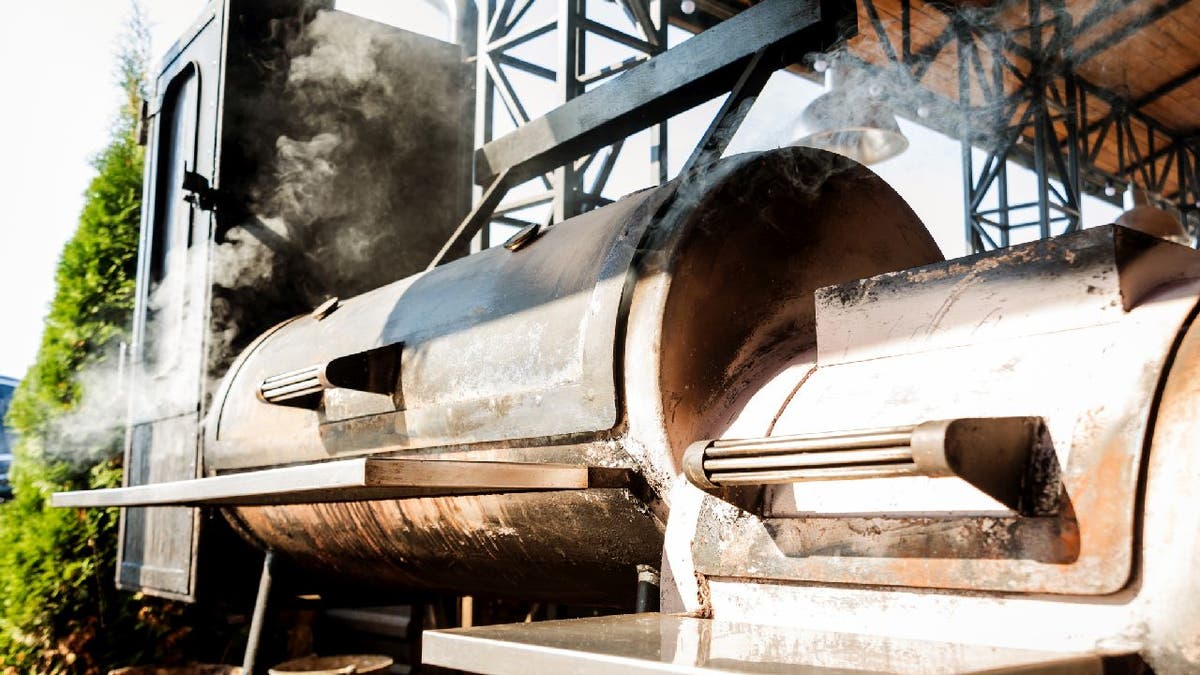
733 112
201 194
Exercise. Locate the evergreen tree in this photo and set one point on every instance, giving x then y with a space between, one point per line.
59 609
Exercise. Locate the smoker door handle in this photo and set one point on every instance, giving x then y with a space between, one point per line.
997 455
375 370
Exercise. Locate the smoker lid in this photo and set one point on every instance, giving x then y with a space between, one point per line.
501 345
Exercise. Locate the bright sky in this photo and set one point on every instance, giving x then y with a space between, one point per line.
57 72
56 67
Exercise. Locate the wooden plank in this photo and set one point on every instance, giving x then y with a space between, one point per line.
343 480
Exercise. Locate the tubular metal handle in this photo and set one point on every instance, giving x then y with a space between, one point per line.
991 453
375 370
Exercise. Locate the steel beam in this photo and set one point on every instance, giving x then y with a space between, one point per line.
701 68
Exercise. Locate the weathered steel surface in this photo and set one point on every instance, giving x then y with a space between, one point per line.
1169 588
1038 330
658 643
345 480
568 546
1154 615
612 340
495 347
715 322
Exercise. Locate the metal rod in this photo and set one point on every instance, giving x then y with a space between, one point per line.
815 443
796 475
291 377
733 111
475 220
812 460
260 613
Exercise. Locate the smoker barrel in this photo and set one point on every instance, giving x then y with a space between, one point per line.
615 339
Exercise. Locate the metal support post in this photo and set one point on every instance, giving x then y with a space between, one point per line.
260 613
647 589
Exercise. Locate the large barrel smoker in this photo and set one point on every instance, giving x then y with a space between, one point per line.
760 379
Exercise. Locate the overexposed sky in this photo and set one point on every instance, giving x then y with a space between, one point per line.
57 74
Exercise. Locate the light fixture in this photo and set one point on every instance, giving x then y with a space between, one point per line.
1142 215
1110 190
851 120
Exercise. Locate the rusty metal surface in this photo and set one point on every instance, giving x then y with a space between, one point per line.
1170 533
702 288
712 325
958 345
1154 615
568 546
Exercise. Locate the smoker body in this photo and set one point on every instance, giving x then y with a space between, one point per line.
864 509
1092 334
613 340
815 449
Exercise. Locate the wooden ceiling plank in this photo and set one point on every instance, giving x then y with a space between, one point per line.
1168 87
1126 30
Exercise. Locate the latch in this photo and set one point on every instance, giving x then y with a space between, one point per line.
201 195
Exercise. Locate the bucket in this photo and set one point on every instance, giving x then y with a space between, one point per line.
347 664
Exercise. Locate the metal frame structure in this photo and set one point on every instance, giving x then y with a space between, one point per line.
734 57
500 32
1019 99
1043 121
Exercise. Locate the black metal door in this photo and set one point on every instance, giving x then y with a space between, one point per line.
157 553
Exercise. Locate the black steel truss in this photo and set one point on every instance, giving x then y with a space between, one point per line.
734 57
500 33
1042 123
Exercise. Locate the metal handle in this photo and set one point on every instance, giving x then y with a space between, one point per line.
375 370
994 454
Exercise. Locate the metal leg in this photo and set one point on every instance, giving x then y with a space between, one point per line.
647 589
260 611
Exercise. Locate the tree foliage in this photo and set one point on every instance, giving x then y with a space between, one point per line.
59 610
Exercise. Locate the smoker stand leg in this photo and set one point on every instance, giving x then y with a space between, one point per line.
647 589
260 611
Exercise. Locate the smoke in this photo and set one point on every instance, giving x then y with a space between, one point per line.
93 428
341 192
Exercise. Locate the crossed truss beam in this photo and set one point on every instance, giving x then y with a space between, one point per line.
1041 122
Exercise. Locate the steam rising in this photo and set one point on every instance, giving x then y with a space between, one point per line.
329 185
342 207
